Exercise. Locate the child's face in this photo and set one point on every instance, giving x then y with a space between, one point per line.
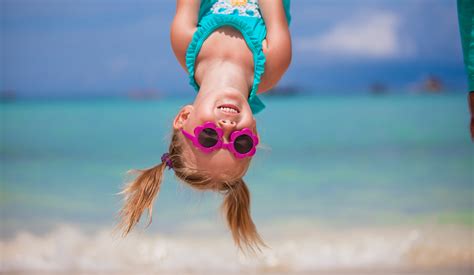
221 163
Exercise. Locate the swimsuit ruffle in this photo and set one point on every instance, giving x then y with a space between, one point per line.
210 23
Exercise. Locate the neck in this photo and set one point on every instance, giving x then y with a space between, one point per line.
222 74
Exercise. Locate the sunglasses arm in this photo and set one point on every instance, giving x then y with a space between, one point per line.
188 135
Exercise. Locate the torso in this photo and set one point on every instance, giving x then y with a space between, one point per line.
225 43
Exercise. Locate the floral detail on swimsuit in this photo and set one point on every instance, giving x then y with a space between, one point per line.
238 2
237 7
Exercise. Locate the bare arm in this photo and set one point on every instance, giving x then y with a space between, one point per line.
183 27
278 43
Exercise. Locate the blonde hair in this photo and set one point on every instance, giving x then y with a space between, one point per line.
141 193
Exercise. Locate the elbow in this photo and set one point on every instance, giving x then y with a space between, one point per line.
286 62
287 57
276 66
283 63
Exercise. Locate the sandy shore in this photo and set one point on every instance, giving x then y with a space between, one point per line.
321 272
420 250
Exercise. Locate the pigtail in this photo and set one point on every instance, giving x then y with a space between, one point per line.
140 194
236 206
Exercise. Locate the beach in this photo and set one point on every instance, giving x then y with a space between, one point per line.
393 250
354 185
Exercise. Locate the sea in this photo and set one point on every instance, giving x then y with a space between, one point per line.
358 184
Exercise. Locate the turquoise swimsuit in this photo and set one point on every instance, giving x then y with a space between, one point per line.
466 27
245 16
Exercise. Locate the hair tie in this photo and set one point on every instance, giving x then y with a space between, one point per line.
167 160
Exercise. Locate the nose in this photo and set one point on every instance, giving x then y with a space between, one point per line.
228 126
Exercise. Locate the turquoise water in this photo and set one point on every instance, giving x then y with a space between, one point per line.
354 160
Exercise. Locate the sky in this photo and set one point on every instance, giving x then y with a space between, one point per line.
77 48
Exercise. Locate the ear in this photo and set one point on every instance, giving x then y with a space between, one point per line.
182 116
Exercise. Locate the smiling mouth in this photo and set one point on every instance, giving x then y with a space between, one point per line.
229 108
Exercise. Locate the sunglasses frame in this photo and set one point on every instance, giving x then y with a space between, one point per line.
220 141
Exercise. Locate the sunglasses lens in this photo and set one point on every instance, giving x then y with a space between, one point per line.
208 137
243 144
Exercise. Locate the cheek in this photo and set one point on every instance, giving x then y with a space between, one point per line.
203 114
250 122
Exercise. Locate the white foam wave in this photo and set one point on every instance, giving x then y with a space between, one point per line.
68 249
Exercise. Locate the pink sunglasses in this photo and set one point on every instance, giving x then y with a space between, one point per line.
208 137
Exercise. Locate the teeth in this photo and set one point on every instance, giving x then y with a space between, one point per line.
227 109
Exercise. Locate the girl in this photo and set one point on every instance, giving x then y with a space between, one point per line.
232 50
